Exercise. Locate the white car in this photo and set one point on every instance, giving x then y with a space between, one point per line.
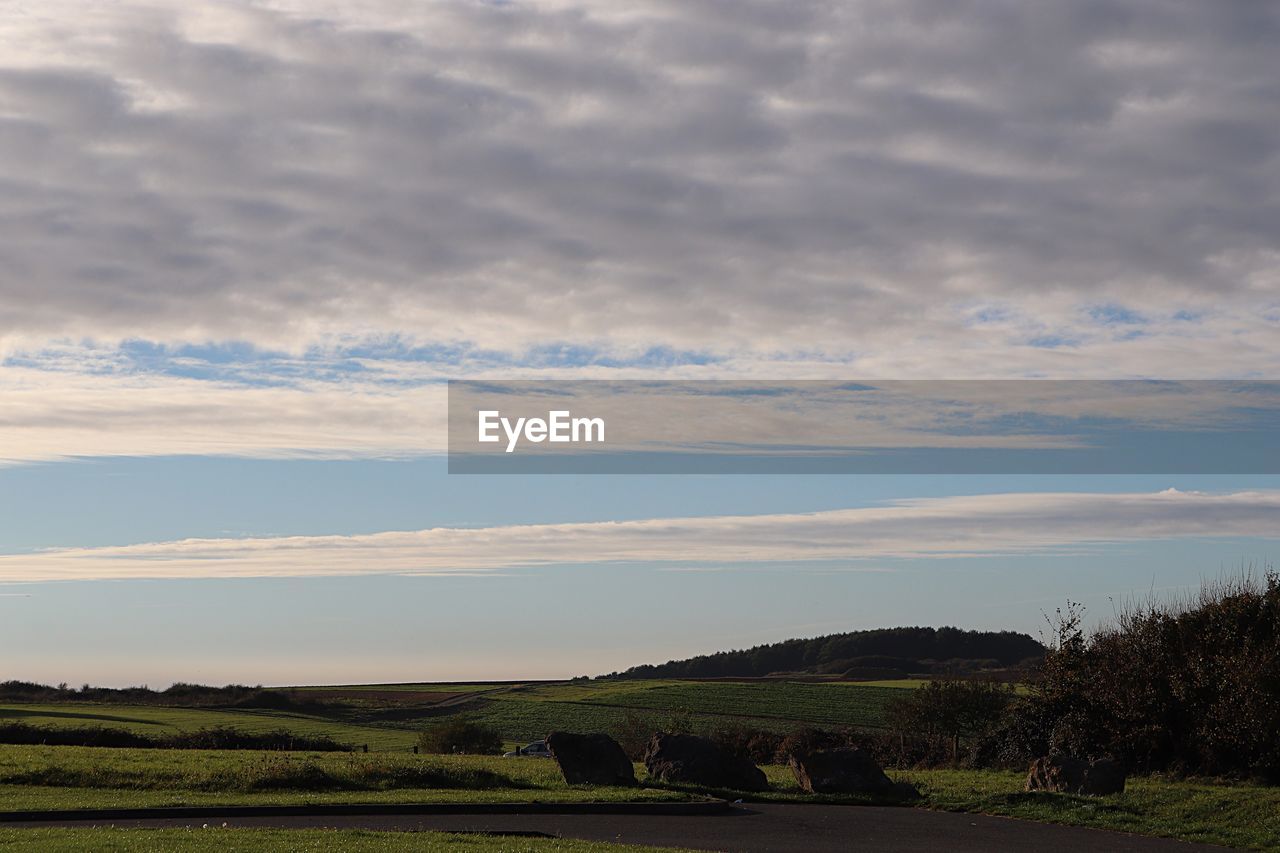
537 749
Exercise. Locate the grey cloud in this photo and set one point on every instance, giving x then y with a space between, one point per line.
807 174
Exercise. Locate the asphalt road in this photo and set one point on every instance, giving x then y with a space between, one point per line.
771 828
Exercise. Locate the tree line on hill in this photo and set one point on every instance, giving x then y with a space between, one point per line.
178 695
216 737
880 653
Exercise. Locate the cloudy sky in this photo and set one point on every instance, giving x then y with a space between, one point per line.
243 244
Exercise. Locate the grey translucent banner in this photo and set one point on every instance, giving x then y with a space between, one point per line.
871 427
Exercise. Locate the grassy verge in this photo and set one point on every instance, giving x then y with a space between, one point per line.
221 840
1235 815
27 798
63 777
41 777
1231 814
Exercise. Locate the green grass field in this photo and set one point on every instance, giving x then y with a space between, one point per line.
223 840
527 713
1233 815
40 777
389 717
778 702
149 719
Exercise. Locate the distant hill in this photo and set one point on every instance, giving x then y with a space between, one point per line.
880 653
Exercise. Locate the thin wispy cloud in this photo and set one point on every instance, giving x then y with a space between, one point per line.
937 528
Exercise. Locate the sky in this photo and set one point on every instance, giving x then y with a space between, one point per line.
243 247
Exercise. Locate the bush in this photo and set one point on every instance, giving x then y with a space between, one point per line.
764 746
759 745
809 739
633 733
459 735
227 737
891 749
28 735
1188 687
941 713
1018 738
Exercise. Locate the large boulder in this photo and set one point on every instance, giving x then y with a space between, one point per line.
1063 774
846 771
1103 777
903 791
693 760
591 759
